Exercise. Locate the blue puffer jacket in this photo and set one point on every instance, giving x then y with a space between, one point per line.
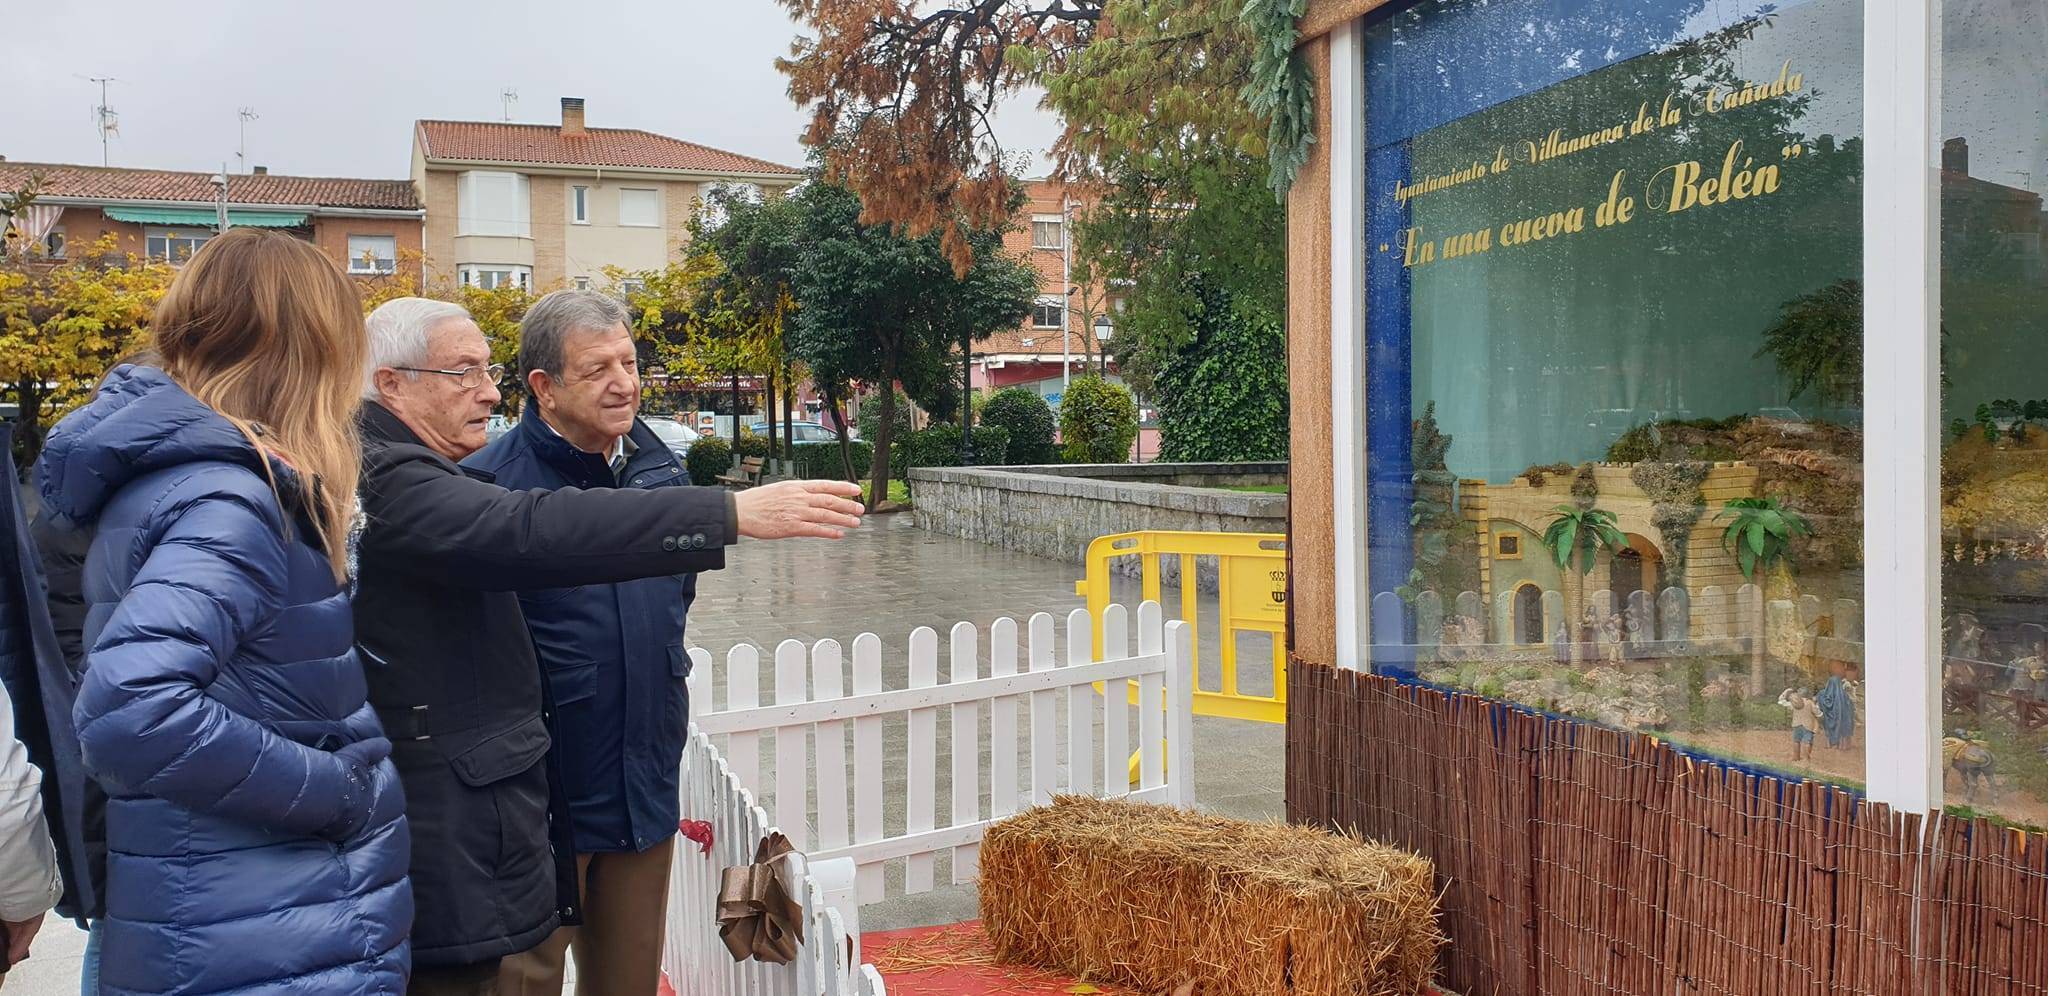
243 855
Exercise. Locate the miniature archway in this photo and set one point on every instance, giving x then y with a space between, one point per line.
1528 614
1638 567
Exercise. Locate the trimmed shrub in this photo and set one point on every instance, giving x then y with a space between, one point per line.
870 421
991 445
709 458
1098 422
936 445
1025 417
751 445
820 461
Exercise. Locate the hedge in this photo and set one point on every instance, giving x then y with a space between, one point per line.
820 461
991 446
936 445
709 457
939 446
870 421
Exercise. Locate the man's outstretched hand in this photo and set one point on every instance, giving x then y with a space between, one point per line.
825 509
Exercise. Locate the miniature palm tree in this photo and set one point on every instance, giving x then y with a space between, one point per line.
1575 538
1760 532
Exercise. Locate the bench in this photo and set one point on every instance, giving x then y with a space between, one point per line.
744 476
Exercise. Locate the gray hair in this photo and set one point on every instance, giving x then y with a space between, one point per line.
552 318
398 335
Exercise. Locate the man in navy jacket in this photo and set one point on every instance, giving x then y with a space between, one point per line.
613 653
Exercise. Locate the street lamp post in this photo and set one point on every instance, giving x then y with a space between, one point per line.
1066 293
220 200
966 400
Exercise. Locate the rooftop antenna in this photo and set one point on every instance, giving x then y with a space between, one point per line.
508 97
104 118
247 114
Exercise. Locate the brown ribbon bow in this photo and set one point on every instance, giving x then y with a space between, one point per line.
757 916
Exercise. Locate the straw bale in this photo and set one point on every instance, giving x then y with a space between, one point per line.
1157 897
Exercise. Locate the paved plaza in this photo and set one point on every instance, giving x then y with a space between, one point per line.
889 578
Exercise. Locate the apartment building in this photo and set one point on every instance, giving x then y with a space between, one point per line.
1070 321
547 206
369 226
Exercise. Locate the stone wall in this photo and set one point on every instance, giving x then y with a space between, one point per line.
1186 475
1056 512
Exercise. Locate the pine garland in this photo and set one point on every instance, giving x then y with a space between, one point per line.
1280 90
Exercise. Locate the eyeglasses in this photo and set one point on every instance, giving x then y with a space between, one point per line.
471 377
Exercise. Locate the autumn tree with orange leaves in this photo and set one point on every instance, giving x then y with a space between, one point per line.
903 94
902 97
1173 112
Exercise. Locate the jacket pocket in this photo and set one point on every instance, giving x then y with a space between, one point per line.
675 708
507 780
504 755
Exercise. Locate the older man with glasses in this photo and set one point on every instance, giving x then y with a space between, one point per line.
450 661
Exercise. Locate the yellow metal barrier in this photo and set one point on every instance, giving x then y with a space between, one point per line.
1251 579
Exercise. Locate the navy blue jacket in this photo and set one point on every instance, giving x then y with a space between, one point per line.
243 855
613 652
42 685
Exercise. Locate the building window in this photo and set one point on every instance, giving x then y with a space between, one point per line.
630 287
173 244
491 203
582 283
489 277
53 245
372 254
1048 231
639 208
579 205
1507 546
1050 312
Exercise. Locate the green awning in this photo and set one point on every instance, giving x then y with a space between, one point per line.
205 217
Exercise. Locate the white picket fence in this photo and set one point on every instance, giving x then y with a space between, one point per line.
828 800
694 960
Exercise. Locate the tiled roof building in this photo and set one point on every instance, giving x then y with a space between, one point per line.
367 225
547 206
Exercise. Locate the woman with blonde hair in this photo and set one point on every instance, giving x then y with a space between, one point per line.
254 830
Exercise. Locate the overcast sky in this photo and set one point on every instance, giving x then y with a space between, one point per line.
337 87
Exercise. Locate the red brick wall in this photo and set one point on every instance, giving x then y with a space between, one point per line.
82 226
1044 197
331 235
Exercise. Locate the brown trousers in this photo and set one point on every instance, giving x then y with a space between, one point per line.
618 947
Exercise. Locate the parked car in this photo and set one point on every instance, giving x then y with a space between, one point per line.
497 426
806 432
676 435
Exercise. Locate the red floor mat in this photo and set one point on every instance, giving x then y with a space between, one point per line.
955 960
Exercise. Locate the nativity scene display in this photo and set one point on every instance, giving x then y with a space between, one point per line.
1615 418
